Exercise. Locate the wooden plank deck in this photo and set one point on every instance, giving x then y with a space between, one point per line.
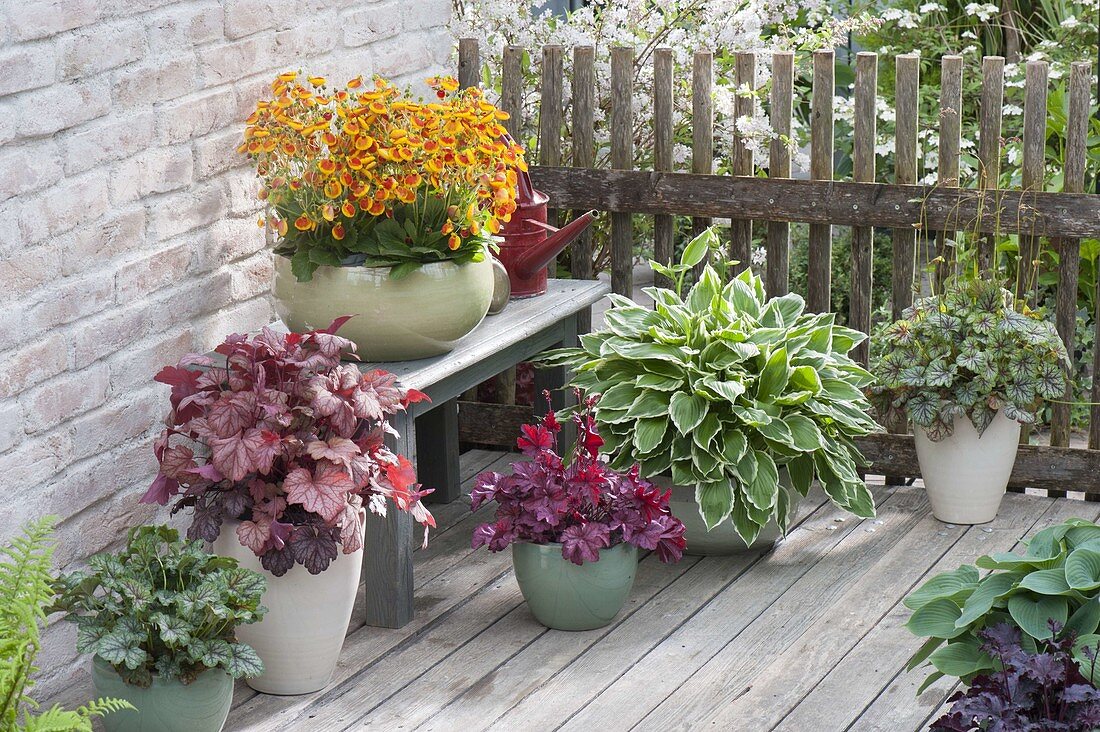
809 637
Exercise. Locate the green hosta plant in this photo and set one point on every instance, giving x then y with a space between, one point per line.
25 591
724 390
164 606
1057 578
967 352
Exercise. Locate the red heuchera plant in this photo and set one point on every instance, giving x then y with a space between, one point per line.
287 439
583 504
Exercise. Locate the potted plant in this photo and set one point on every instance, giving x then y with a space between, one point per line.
1057 579
735 401
161 617
575 527
967 368
279 453
26 590
385 207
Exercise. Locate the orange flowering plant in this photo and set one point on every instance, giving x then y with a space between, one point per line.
372 177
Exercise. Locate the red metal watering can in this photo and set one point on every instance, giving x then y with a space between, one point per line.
529 243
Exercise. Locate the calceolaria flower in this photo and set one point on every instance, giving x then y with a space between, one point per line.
371 176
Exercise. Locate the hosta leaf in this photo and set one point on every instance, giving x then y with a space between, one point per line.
1090 669
747 527
620 396
746 467
733 445
962 659
985 595
1033 614
649 404
715 501
647 351
1082 570
782 311
943 585
660 383
704 434
840 390
695 250
777 431
1085 619
805 378
648 434
860 501
762 488
1047 582
687 411
729 390
923 652
801 470
773 379
805 435
936 618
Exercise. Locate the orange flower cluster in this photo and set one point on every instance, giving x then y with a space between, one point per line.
327 156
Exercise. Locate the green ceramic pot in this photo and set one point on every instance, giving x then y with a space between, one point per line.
564 596
166 706
723 539
420 315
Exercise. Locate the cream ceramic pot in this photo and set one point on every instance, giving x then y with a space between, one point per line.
420 315
966 475
300 637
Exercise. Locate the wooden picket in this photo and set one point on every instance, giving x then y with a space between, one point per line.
929 214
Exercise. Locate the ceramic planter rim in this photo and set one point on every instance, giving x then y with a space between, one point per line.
439 264
108 667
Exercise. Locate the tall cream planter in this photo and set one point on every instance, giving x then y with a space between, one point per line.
300 637
966 475
420 315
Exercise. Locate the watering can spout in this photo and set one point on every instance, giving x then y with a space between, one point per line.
537 257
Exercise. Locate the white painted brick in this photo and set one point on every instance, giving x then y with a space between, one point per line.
252 277
241 189
305 39
65 397
426 14
217 153
159 170
33 364
245 317
25 270
63 207
35 65
401 55
11 424
156 81
185 26
229 240
197 298
122 231
31 19
181 212
137 365
99 48
245 17
373 23
132 414
113 138
34 461
104 525
152 273
198 114
29 168
46 111
70 299
224 63
107 333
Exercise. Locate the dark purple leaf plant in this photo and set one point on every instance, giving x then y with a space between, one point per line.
284 437
578 502
1043 691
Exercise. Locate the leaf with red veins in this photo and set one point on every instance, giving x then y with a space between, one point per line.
323 401
161 490
401 478
412 396
325 494
183 381
255 534
176 461
377 396
209 472
336 449
351 525
232 413
344 423
232 456
314 547
330 345
264 447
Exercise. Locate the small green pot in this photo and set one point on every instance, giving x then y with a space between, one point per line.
564 596
166 706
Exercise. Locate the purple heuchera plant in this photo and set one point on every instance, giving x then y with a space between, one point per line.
582 504
289 440
1034 692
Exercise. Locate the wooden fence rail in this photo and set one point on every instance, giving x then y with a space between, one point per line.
916 213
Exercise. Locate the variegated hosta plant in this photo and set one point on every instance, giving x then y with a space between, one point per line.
967 351
724 390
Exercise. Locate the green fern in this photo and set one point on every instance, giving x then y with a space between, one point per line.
25 592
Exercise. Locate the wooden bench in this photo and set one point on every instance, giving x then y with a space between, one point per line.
429 432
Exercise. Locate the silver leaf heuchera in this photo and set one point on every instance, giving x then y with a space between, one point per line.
287 439
724 390
967 352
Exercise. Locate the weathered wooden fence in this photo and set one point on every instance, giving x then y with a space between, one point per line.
908 209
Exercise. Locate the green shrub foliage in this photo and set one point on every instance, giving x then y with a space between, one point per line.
967 352
164 606
1057 578
725 390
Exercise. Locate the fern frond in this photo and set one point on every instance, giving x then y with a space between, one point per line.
104 705
56 719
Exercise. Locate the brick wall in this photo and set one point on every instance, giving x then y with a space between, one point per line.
128 226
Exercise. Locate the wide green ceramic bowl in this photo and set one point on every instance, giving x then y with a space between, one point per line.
166 706
564 596
419 315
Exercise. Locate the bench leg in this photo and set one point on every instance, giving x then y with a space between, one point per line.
387 554
437 448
